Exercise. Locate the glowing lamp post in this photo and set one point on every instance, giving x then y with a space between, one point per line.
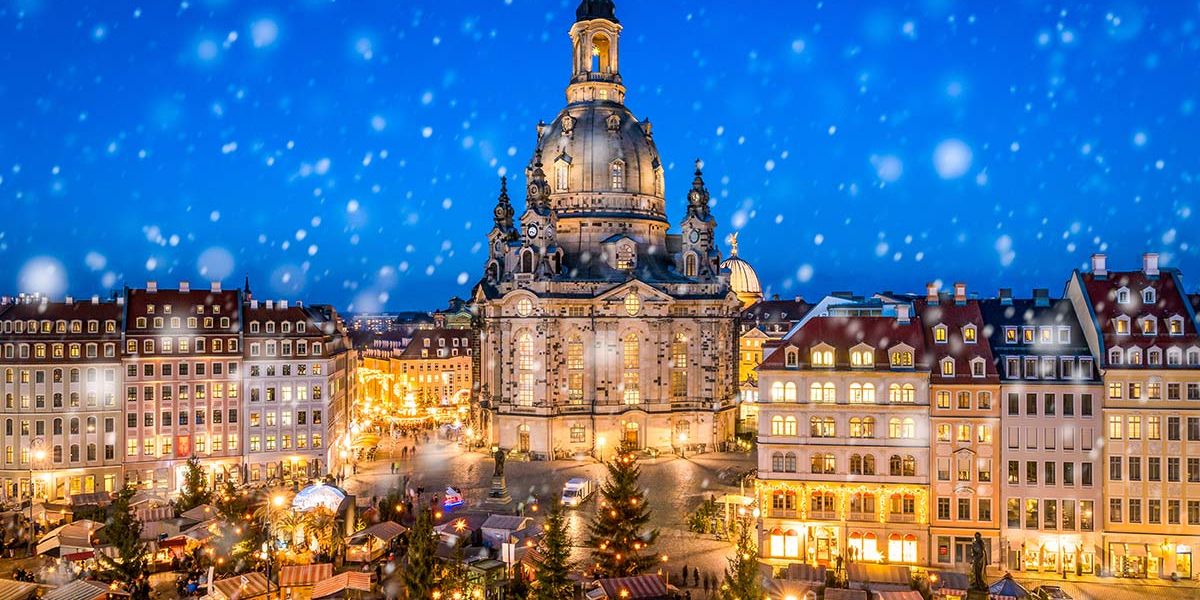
37 456
600 447
683 438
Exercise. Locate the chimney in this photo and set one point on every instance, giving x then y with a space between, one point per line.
151 286
283 304
215 287
1150 264
902 314
95 298
931 292
70 300
299 304
1006 296
120 300
254 304
4 301
270 304
1100 265
1041 297
185 286
960 293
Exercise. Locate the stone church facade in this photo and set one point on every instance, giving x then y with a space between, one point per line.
599 328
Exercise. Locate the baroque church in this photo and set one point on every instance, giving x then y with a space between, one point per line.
600 329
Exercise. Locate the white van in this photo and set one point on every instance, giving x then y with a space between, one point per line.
577 490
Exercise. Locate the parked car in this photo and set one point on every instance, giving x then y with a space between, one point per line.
1050 592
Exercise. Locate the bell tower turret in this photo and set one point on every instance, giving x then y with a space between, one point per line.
595 73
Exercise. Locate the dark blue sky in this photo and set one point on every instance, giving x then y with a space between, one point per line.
348 152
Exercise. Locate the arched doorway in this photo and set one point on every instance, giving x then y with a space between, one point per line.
629 438
523 438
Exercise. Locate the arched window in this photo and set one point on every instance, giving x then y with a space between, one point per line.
776 425
822 358
821 427
616 173
905 394
856 466
789 392
561 171
679 364
777 391
789 426
689 265
575 370
630 363
527 261
777 462
895 428
600 54
869 464
789 462
525 369
910 466
895 465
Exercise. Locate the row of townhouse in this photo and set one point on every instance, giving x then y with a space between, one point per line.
100 393
1066 431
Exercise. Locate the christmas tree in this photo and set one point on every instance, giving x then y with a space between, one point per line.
619 540
553 580
194 491
742 577
128 563
420 572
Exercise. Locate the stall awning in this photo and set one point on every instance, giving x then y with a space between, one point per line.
351 580
299 575
79 555
898 595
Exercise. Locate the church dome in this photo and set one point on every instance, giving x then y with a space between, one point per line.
601 161
743 280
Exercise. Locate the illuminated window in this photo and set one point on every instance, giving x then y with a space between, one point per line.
862 358
633 303
969 334
863 393
575 370
630 364
616 172
902 394
822 358
679 366
525 371
561 170
940 334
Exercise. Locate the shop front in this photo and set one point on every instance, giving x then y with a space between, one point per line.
1070 554
1142 558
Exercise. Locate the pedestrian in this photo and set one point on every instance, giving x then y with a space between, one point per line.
684 578
695 577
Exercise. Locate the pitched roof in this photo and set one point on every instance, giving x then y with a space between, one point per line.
350 580
386 531
297 575
240 587
79 589
844 333
634 588
438 339
956 317
1169 300
17 590
1003 315
506 522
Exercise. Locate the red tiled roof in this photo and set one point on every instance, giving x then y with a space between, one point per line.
844 333
956 317
1169 301
242 587
182 303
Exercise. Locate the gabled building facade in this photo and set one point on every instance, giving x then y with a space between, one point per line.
1142 329
964 424
843 442
1050 402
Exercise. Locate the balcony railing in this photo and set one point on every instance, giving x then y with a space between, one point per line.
902 518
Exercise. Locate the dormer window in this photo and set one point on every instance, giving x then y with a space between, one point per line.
1010 335
1045 335
1175 325
1148 295
1115 356
1064 335
1134 356
947 367
1028 335
1123 296
1154 357
1149 326
902 358
822 358
862 358
791 358
1174 357
1121 325
940 334
977 367
969 334
616 173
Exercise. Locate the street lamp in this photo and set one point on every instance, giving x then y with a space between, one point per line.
38 455
683 437
277 502
600 446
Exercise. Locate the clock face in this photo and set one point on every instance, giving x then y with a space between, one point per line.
532 230
695 237
533 189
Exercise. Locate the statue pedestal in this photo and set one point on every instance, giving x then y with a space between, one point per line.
498 495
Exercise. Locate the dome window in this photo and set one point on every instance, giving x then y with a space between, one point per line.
561 172
689 265
616 173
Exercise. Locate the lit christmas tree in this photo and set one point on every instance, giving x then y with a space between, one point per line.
619 539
